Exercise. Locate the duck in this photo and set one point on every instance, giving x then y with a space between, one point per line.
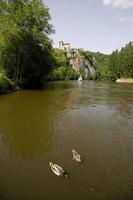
57 170
76 156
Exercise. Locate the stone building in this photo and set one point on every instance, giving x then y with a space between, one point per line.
64 46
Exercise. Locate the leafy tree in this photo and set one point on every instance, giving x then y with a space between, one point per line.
25 49
60 58
118 65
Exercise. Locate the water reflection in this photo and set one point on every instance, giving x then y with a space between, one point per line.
112 95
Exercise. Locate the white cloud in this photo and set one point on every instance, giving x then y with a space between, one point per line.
123 4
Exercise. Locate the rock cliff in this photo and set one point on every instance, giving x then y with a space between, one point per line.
78 59
81 63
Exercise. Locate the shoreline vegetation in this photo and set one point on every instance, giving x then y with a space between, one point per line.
6 85
28 59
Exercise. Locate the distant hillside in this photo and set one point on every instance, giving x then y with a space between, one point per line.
101 59
119 64
71 63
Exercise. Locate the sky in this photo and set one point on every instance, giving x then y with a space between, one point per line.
94 25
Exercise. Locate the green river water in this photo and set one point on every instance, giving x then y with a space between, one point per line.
37 127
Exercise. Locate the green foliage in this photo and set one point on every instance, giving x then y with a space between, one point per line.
63 73
118 65
61 69
5 83
25 49
103 73
72 74
97 59
26 52
121 63
60 58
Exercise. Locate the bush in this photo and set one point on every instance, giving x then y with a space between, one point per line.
6 85
63 73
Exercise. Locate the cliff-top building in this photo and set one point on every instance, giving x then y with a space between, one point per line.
64 46
76 59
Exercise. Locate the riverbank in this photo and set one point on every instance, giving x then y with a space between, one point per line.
125 80
7 91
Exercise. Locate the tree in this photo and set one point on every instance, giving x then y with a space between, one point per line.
26 51
119 64
60 58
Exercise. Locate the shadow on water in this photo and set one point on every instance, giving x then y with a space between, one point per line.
59 85
128 196
3 198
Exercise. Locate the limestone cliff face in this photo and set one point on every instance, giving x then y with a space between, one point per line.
81 64
78 60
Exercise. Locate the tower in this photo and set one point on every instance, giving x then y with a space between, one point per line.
64 46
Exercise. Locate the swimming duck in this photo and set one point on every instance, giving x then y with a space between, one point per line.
59 171
76 156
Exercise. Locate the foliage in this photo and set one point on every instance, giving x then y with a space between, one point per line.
27 56
118 65
5 83
98 59
121 63
62 69
60 58
103 73
63 73
25 49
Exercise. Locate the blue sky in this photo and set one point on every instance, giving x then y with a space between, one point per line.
95 25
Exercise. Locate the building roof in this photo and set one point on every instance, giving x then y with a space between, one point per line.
64 43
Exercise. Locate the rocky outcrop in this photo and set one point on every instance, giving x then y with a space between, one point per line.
77 59
81 64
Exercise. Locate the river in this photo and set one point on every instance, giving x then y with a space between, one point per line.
40 126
